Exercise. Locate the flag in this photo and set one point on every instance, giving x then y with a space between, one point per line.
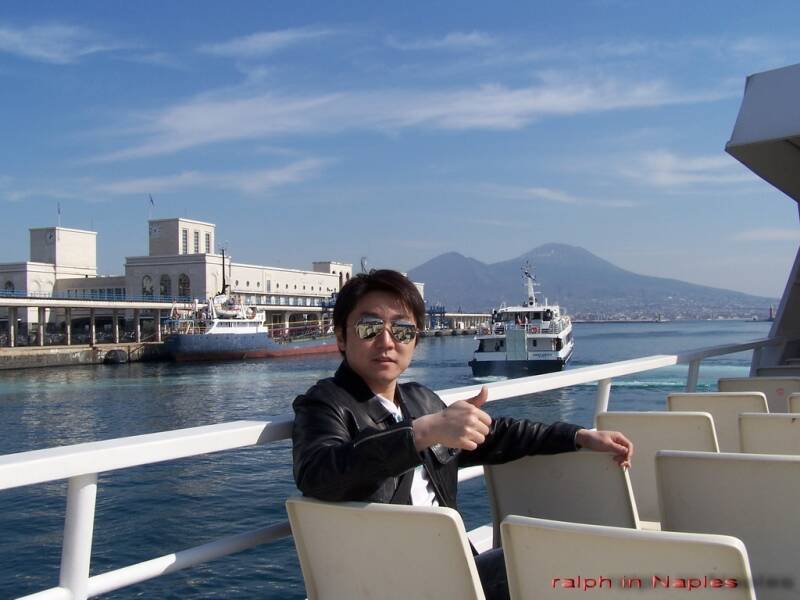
59 208
153 204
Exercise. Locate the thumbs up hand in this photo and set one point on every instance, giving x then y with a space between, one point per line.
461 425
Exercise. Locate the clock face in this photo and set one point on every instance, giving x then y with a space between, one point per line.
51 235
154 229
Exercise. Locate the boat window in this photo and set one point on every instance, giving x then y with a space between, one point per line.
559 344
537 316
532 343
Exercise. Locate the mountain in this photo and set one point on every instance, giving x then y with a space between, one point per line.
585 284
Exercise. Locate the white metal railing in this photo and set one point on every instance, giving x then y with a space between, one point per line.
81 464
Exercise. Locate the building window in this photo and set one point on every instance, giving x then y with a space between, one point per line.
258 284
197 242
208 243
147 286
9 287
272 300
184 241
247 284
165 286
184 289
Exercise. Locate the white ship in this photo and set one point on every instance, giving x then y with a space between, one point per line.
528 339
727 504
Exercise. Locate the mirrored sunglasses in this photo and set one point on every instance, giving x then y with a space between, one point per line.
401 330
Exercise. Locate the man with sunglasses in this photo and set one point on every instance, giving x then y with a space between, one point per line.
363 436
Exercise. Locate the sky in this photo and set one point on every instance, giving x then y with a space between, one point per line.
398 131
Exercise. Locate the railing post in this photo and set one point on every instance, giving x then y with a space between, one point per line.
603 394
694 374
76 552
12 327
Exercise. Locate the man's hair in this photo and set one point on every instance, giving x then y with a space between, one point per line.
382 280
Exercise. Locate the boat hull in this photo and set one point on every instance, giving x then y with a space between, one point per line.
187 348
515 368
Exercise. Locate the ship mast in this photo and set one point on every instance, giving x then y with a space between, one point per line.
530 282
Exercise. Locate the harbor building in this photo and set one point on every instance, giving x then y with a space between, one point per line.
181 265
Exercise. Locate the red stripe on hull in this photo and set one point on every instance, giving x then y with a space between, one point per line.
211 356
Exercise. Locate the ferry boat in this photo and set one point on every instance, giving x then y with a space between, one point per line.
766 139
530 339
226 331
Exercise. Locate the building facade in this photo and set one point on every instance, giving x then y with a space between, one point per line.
181 264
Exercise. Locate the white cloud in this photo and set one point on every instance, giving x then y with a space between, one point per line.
248 182
456 40
550 195
214 118
258 181
768 235
265 43
54 43
666 169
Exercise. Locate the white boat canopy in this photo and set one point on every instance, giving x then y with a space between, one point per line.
766 137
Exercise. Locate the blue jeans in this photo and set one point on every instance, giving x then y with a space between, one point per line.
492 571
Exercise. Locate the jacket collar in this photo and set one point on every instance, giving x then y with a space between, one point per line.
351 381
357 387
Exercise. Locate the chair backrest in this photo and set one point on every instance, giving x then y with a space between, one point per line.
776 389
770 434
358 550
753 497
794 403
654 431
547 559
724 408
582 487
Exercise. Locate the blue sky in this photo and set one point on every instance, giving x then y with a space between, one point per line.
398 131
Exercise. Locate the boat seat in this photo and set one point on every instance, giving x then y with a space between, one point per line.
793 403
776 389
770 434
753 497
544 558
724 408
653 431
367 550
582 487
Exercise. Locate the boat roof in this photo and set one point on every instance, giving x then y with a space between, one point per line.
537 308
766 137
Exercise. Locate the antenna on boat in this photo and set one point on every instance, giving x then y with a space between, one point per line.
224 283
530 281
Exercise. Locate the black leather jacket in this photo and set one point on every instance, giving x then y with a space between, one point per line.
347 446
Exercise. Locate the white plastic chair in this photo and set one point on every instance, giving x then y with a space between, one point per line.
353 550
544 557
753 497
770 434
724 408
581 487
651 432
776 389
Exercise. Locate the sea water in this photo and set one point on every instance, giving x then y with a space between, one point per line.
157 509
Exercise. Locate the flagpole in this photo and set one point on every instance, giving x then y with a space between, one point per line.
150 209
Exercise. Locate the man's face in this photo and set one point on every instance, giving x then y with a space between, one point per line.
380 360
